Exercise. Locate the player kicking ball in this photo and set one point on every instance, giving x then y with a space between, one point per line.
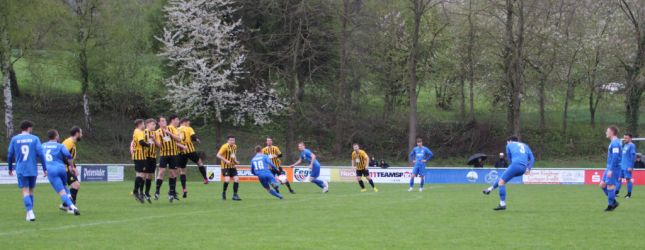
56 156
419 156
263 168
360 160
521 161
314 166
612 172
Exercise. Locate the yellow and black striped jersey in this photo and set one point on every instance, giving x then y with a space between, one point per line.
150 151
138 150
361 160
228 152
186 134
70 145
168 144
273 152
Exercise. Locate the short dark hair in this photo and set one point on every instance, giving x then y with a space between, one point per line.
162 116
52 133
172 117
26 124
230 137
419 139
74 130
138 122
513 138
183 120
629 134
258 149
613 129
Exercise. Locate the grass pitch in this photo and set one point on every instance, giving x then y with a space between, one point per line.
443 216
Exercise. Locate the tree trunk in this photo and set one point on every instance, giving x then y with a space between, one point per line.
513 65
5 65
569 94
633 96
462 92
419 9
471 60
542 101
15 91
85 83
344 93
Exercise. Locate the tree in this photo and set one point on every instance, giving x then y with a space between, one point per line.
634 12
201 45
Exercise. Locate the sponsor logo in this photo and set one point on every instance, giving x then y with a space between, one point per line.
301 174
94 173
491 176
595 177
472 176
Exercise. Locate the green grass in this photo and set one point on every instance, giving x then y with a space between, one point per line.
445 216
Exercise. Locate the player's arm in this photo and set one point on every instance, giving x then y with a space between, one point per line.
10 157
278 152
174 136
41 156
296 163
428 155
313 159
67 157
195 139
412 156
270 163
220 155
531 160
182 146
633 156
353 161
508 155
366 159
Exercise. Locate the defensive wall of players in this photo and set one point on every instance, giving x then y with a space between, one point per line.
436 175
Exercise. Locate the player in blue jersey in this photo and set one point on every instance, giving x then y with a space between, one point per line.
25 150
612 172
521 161
419 156
627 165
263 168
57 156
314 166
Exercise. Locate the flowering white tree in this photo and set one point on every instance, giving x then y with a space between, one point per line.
201 44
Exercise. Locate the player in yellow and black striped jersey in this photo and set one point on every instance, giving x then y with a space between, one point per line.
229 162
360 162
188 137
151 155
274 154
139 147
170 140
75 135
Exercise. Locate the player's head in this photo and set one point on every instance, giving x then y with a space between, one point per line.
269 141
76 132
356 147
419 141
301 146
611 131
230 140
151 124
138 123
258 149
173 119
627 137
512 138
184 122
162 122
26 126
52 135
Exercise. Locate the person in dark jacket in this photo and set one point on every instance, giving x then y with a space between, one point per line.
384 164
639 161
501 162
373 162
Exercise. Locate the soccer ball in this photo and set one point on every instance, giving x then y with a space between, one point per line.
282 178
472 176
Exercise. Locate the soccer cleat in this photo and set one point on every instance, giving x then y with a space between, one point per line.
236 198
499 208
486 191
137 198
410 189
223 195
292 192
63 208
185 195
30 216
148 199
375 190
615 205
73 211
156 196
420 189
205 181
609 209
326 188
171 198
363 190
628 196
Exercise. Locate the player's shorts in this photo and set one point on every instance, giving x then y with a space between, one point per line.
625 174
151 165
614 177
315 171
140 165
230 172
364 172
267 180
513 171
26 181
183 159
419 170
280 171
57 178
71 177
168 162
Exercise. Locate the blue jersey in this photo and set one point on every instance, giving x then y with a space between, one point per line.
520 154
25 150
629 156
56 155
262 165
419 154
614 155
306 154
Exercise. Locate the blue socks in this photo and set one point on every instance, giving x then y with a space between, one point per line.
605 191
274 193
620 183
66 200
496 184
629 186
611 198
29 204
411 182
423 181
318 183
502 193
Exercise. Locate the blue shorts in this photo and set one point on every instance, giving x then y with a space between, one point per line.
315 171
26 181
614 177
513 171
625 174
267 180
419 170
57 179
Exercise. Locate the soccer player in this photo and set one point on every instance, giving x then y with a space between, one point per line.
360 160
627 164
151 155
521 161
314 166
169 138
56 155
188 136
75 135
25 149
419 156
263 168
141 144
228 161
274 154
612 172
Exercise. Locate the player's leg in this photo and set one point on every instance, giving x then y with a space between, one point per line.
415 173
183 162
359 179
366 173
282 172
269 183
313 177
57 181
172 179
24 185
619 183
630 184
236 184
422 181
139 167
163 165
194 157
509 174
74 184
611 182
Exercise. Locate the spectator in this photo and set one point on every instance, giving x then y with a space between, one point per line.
501 162
479 163
373 162
639 161
384 164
